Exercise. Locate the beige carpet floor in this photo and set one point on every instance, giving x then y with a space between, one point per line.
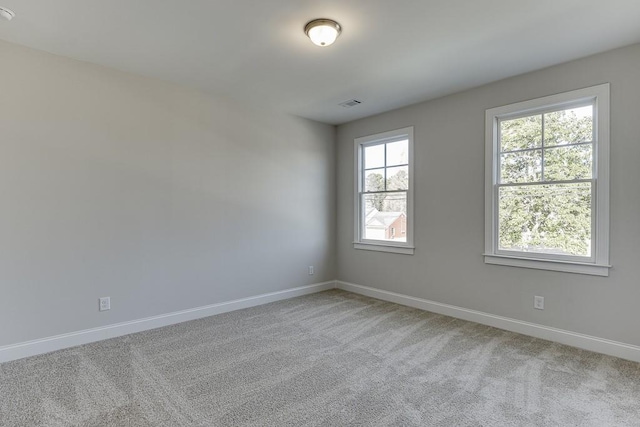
328 359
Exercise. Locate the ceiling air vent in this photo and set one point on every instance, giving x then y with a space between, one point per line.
350 103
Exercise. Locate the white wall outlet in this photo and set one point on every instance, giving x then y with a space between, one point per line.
105 303
538 303
311 272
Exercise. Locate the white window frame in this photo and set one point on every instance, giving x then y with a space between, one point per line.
598 263
407 247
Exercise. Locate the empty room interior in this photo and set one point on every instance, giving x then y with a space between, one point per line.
304 213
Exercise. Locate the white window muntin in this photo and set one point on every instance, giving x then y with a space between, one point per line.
598 262
359 145
543 148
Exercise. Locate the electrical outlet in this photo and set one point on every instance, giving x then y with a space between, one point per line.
538 303
105 303
311 272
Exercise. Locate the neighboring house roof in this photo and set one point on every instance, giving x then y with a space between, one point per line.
375 218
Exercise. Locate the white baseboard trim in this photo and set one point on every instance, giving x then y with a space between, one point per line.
72 339
573 339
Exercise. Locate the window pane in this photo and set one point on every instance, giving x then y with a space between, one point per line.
551 219
523 166
374 156
569 126
398 178
398 153
522 133
385 216
374 180
565 163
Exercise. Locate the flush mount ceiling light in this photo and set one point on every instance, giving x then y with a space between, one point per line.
322 32
6 13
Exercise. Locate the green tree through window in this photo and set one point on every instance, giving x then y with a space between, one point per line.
545 191
547 182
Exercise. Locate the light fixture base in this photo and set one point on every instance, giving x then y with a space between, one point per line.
322 32
7 13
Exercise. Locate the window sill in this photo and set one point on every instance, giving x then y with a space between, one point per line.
405 250
546 264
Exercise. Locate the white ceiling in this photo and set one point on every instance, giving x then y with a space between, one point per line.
390 54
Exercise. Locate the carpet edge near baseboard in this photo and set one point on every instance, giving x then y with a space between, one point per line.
561 336
72 339
58 342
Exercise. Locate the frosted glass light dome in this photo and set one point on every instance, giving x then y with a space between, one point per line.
322 32
6 13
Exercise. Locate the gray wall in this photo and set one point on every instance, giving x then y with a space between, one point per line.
449 156
158 196
165 199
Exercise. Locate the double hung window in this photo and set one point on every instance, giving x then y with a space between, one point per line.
547 183
384 192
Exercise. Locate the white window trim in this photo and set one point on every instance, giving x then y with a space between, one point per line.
406 248
599 264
